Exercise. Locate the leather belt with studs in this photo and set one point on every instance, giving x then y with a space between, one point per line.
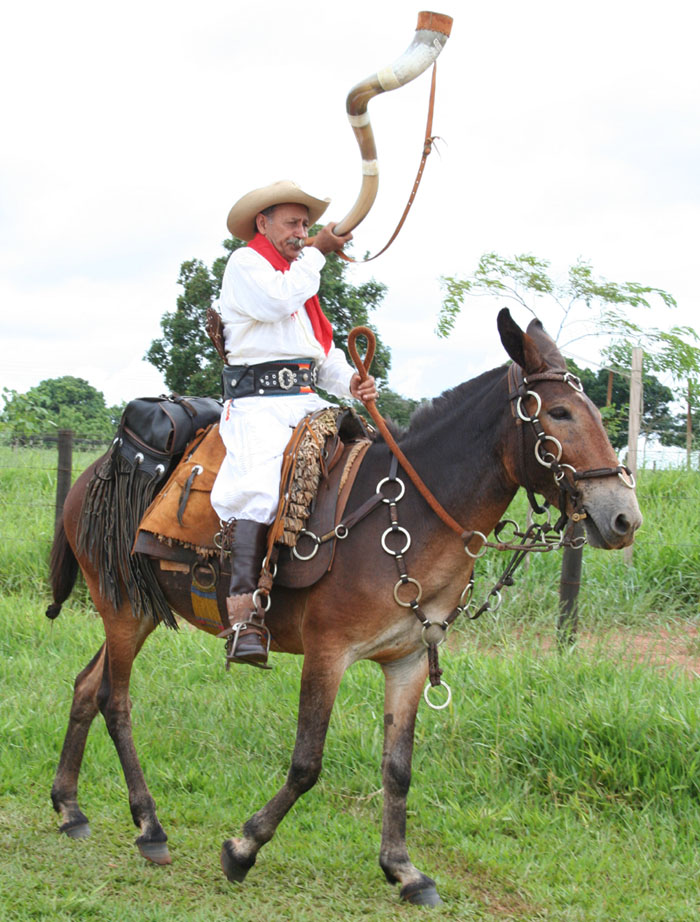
269 379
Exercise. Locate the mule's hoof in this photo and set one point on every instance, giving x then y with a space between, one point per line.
234 869
421 895
80 830
157 852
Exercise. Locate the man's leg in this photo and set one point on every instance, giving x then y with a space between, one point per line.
255 431
247 638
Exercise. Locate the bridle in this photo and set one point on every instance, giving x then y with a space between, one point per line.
519 389
566 477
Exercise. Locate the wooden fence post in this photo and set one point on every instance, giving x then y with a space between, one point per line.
64 471
689 429
635 419
569 585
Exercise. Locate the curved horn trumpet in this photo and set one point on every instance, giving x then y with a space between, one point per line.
432 32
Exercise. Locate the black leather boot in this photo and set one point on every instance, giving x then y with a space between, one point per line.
247 638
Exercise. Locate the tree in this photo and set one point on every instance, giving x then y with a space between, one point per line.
657 418
670 353
395 407
185 355
22 416
525 278
602 308
59 403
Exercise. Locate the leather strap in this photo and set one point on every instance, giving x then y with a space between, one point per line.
362 366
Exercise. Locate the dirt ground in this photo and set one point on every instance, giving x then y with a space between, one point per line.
677 647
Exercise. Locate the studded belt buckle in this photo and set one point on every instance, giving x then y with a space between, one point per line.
286 378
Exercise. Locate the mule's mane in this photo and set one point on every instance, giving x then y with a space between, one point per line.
432 413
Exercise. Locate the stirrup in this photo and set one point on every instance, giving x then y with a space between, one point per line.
242 631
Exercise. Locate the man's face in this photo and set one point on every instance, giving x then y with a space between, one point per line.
284 226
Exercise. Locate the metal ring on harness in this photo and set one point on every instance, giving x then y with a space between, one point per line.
404 582
560 450
547 520
391 480
204 575
257 595
401 529
316 545
631 482
482 550
465 599
519 406
573 381
553 538
497 596
498 531
273 571
340 531
430 624
437 707
561 473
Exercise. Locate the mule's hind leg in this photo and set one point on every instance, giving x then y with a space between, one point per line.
64 793
125 637
404 682
319 687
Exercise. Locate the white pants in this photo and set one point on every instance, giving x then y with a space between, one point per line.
255 432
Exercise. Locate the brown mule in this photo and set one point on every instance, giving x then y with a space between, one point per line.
473 448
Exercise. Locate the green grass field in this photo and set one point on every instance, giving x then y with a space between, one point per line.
556 787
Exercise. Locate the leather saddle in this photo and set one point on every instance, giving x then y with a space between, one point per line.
181 526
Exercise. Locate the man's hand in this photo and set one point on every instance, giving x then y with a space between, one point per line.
327 242
363 390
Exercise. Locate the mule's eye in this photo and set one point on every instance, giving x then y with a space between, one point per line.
559 413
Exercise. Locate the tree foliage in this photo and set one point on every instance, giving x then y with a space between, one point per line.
593 306
657 417
525 278
22 416
59 403
185 355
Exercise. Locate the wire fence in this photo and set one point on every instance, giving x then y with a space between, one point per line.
35 478
60 456
63 456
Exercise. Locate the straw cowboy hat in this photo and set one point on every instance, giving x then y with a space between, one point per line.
241 218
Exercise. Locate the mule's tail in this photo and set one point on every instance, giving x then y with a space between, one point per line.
63 569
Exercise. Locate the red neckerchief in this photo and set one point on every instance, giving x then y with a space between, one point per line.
323 331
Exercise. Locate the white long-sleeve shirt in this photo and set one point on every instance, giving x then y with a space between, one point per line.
265 318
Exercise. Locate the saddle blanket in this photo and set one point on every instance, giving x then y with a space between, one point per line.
181 516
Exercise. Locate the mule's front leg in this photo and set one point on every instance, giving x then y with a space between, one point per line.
404 684
319 686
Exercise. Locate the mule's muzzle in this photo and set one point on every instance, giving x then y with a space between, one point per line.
611 530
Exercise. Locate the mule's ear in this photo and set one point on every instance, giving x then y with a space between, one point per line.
519 346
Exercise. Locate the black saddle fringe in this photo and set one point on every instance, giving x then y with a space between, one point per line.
115 502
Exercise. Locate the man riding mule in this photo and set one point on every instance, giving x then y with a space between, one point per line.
526 425
278 346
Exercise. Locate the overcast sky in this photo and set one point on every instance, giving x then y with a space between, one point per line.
570 131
